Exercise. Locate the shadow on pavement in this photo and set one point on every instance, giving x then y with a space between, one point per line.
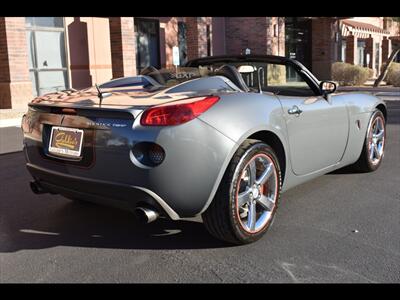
89 225
29 221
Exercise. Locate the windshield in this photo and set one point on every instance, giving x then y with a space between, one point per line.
278 77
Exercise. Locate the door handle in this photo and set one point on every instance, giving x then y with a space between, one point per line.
295 110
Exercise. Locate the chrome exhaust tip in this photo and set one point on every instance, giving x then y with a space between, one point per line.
37 188
146 215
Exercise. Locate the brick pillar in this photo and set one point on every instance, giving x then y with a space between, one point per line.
218 41
351 49
196 35
254 33
369 49
322 46
386 49
15 84
123 46
192 33
202 23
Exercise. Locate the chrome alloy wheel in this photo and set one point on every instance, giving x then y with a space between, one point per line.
376 140
256 193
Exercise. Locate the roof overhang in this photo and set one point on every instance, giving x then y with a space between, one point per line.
361 29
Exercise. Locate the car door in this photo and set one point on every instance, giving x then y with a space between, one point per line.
317 128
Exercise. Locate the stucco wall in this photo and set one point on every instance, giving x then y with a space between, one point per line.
88 44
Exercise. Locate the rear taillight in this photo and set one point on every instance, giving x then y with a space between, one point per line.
175 114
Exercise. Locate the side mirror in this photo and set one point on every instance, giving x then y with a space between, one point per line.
327 87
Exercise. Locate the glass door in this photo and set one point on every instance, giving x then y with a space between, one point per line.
147 43
182 43
297 41
361 59
47 54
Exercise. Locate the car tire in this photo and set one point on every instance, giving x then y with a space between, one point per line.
225 218
368 162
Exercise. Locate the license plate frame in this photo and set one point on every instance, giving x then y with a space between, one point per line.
69 145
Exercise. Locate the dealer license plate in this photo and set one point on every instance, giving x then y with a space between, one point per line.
66 141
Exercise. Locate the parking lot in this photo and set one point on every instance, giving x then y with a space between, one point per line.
341 227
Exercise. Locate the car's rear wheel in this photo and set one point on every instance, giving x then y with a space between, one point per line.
374 144
247 198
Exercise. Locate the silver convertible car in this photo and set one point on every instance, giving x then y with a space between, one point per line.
221 137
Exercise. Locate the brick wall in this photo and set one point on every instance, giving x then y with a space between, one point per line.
242 33
386 49
275 36
218 36
192 37
262 35
323 47
15 84
370 49
170 27
351 49
123 46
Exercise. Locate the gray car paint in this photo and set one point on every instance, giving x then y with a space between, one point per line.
265 112
320 140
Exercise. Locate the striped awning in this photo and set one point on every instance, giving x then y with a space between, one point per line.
360 29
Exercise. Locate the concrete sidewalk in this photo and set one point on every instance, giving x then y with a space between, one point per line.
11 117
389 93
10 130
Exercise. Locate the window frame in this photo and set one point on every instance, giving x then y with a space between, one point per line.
35 69
158 40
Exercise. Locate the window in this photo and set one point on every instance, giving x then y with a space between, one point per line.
147 43
361 53
47 55
45 22
279 79
208 35
343 50
182 43
276 77
298 31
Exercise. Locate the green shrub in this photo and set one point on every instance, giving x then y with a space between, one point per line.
348 74
393 73
276 74
395 78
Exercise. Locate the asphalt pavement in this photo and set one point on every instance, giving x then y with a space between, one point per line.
340 227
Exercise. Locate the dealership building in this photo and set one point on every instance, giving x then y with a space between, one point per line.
42 54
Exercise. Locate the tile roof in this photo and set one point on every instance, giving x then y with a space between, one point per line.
364 26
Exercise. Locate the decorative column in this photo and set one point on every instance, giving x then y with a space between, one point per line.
369 50
123 46
351 49
15 83
192 34
386 49
196 35
322 46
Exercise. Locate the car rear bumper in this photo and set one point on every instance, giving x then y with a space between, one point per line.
119 195
196 156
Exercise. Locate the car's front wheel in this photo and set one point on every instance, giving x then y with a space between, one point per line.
247 198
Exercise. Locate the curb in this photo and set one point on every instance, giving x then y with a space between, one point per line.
15 122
